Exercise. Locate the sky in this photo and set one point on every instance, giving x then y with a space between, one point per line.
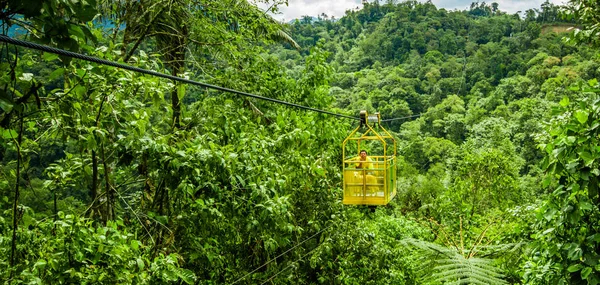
298 8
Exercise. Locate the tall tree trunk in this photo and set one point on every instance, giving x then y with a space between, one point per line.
94 186
55 211
110 202
95 208
176 105
13 249
177 68
176 45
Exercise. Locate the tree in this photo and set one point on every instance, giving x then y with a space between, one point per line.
446 119
486 177
178 31
587 14
565 239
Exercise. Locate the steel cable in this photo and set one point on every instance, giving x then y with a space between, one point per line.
401 118
62 52
285 252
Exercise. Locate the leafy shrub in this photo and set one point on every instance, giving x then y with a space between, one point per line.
72 250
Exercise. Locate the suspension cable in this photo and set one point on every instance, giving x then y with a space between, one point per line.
62 52
285 252
290 265
401 118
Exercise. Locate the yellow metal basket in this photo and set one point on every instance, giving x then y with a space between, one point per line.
371 181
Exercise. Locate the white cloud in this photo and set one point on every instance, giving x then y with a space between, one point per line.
509 6
298 8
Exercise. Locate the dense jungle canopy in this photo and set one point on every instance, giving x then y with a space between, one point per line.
109 176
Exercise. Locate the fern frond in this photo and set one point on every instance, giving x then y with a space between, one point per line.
280 35
474 281
464 271
448 265
488 269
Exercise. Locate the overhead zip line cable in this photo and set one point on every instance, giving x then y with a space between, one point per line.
290 265
62 52
44 48
294 262
400 118
284 253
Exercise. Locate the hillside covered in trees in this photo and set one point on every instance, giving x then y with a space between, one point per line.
109 176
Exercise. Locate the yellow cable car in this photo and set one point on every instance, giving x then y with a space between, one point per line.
369 180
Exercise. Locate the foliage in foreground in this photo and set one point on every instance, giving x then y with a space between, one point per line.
72 250
219 185
443 265
567 235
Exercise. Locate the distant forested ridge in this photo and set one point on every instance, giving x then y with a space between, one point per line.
108 176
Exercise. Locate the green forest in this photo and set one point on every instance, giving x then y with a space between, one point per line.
110 176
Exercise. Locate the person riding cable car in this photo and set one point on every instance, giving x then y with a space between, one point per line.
369 180
364 161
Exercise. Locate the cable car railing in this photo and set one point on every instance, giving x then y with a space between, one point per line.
369 180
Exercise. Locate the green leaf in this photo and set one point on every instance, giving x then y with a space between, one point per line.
140 263
85 11
582 116
76 31
547 180
585 206
549 214
594 237
77 106
135 245
187 276
56 74
162 219
91 142
586 272
26 77
587 157
571 166
79 90
574 252
574 267
593 82
49 56
157 98
9 134
564 102
40 264
548 231
89 35
6 103
181 91
319 171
